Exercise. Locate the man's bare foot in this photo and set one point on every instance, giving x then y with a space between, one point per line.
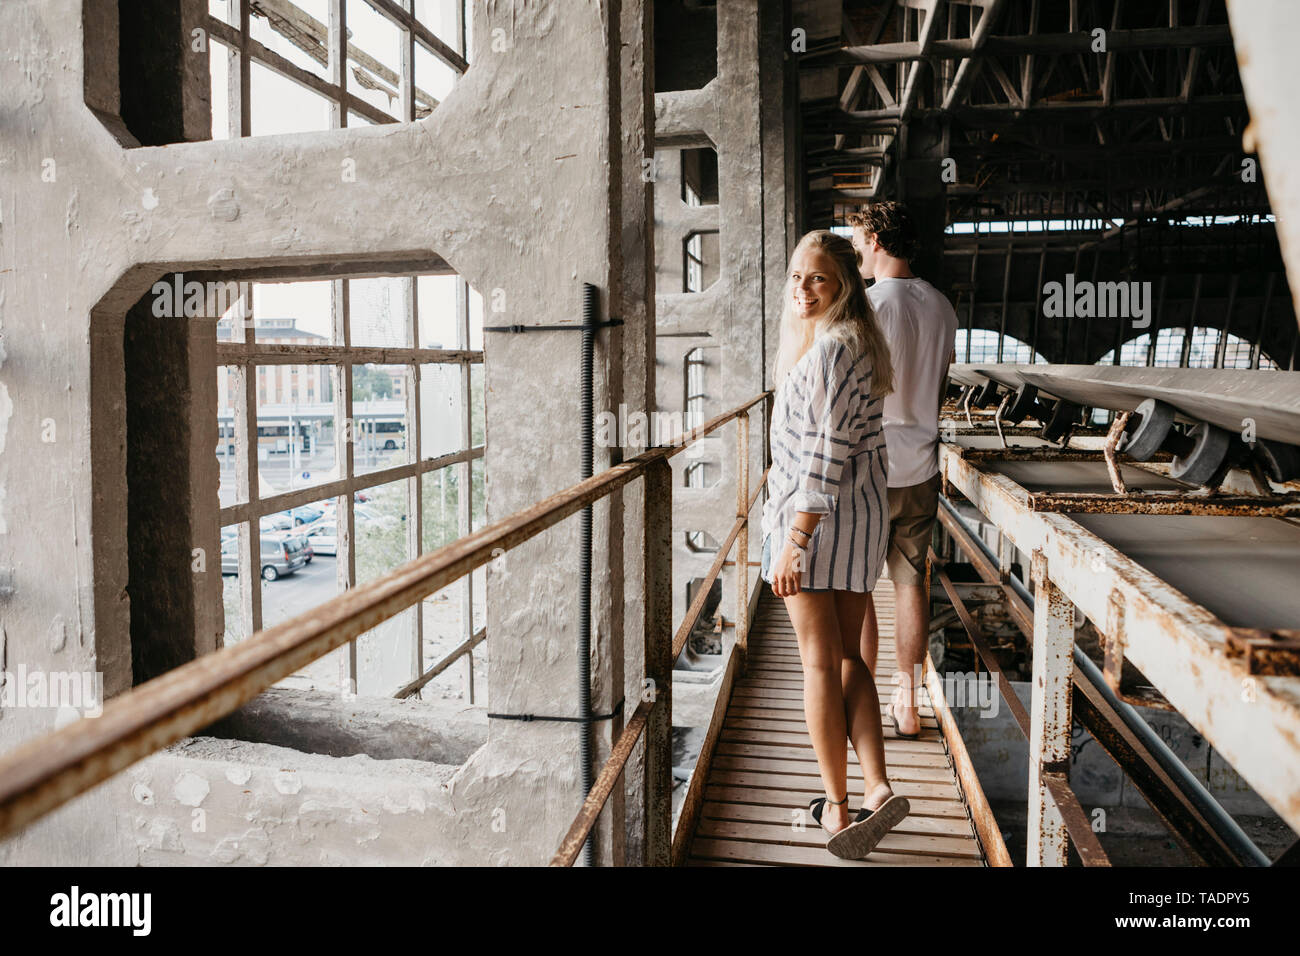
904 705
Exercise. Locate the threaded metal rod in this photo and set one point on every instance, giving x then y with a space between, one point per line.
590 316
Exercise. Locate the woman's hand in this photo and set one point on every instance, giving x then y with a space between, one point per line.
788 569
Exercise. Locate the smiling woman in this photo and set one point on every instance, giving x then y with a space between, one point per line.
832 369
826 522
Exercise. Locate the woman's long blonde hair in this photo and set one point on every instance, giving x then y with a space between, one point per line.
848 318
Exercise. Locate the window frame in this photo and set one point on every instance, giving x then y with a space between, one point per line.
242 50
243 353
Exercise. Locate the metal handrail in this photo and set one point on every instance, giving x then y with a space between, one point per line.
46 772
595 801
1089 847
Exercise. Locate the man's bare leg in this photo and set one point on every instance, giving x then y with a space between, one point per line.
912 617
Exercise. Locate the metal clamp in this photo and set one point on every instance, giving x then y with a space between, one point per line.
552 328
618 709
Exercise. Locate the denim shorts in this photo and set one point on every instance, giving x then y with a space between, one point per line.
767 560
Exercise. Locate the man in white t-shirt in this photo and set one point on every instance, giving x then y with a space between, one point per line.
920 326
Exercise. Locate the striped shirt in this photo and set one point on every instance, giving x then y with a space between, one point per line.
828 457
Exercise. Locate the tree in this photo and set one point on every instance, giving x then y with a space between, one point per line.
369 381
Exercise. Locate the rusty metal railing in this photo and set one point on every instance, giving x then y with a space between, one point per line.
1187 818
46 772
653 716
1076 820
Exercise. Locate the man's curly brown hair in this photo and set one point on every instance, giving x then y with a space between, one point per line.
891 224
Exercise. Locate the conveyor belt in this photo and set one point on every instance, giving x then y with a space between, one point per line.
1242 569
1223 397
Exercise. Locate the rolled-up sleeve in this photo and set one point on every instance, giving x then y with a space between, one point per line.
828 396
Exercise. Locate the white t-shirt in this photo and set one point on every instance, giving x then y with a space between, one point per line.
920 326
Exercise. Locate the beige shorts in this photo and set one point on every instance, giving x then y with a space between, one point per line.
912 513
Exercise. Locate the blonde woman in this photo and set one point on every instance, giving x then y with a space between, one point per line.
826 523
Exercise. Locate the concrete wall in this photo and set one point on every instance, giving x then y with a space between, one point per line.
294 778
519 181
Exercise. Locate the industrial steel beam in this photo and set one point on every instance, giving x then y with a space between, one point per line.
1153 38
1049 716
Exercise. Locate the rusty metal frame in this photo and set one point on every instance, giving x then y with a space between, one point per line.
977 805
1043 453
1180 646
236 37
1165 503
1275 653
1188 826
1076 822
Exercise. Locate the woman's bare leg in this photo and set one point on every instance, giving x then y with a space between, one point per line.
861 702
870 635
817 629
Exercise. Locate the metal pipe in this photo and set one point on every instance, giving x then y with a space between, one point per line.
1247 853
590 316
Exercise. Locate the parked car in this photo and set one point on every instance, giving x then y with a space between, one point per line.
323 538
276 522
305 514
281 554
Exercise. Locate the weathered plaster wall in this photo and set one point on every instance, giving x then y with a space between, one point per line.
205 802
293 778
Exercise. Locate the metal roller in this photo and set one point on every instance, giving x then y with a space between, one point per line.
1281 463
1206 461
1150 427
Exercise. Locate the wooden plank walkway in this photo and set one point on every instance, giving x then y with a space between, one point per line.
764 772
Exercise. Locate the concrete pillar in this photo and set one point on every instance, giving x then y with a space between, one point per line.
532 601
636 345
780 189
728 113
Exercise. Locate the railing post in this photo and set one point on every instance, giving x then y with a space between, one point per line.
742 539
658 631
1049 715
